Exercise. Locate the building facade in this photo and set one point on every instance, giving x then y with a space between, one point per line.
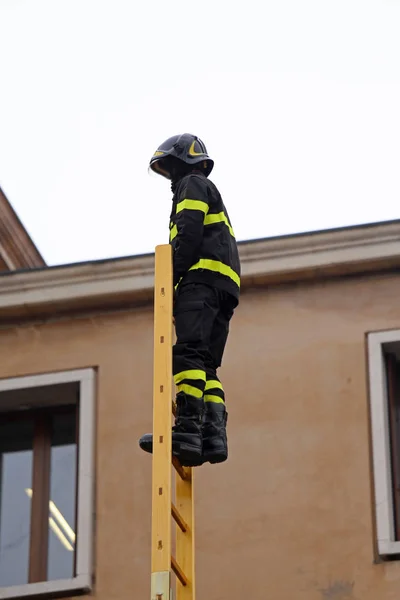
306 506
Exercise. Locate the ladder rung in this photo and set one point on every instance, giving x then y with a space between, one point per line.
178 519
178 572
179 469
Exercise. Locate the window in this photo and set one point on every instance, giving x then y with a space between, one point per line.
384 373
46 483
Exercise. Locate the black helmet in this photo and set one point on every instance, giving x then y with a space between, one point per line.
186 148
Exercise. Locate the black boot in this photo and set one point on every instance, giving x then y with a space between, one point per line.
215 444
186 433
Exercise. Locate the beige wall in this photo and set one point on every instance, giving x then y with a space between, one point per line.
289 516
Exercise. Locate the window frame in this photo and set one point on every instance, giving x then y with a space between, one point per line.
82 581
378 344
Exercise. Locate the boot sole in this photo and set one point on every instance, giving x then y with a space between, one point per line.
214 457
187 454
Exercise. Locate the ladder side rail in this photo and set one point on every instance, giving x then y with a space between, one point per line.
162 425
185 541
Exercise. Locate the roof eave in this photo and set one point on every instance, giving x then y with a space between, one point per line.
129 281
16 246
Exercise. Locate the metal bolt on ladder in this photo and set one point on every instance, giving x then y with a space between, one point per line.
162 561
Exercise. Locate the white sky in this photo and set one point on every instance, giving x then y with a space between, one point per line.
298 102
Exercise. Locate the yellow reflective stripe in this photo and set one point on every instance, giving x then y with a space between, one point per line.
189 389
192 205
218 267
213 384
218 218
192 151
173 233
190 374
211 398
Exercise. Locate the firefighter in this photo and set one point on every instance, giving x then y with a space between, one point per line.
206 274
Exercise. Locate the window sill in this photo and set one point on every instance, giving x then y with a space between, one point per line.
387 548
63 587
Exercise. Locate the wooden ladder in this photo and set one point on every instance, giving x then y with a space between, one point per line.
163 563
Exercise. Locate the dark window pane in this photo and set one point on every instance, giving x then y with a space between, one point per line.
16 456
393 389
62 497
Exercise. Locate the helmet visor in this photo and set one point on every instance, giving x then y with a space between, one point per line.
161 166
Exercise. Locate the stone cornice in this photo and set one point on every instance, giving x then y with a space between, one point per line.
129 281
341 251
16 247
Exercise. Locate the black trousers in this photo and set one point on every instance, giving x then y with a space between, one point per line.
202 315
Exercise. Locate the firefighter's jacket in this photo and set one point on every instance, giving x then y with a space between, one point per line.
202 238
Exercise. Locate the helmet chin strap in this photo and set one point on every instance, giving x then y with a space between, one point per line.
176 176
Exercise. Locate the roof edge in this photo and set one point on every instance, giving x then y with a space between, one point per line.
16 245
269 261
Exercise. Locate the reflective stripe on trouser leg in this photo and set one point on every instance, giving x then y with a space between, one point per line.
214 392
191 382
196 308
